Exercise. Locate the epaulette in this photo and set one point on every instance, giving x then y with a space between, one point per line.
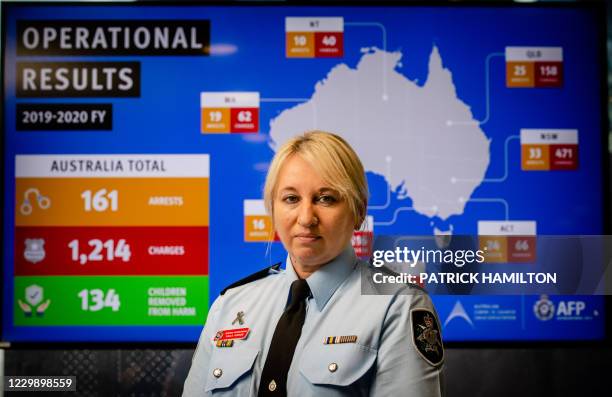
255 276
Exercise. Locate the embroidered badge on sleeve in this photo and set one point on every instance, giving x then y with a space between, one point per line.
426 336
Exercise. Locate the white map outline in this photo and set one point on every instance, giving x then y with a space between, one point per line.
410 126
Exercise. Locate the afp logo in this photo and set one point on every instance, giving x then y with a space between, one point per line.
570 309
544 309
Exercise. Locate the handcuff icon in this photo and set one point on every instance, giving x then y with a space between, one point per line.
43 202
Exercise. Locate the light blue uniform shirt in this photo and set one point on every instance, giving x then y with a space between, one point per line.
383 361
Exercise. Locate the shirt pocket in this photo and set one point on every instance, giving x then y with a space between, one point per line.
227 365
336 365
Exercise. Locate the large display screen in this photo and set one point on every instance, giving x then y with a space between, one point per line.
137 139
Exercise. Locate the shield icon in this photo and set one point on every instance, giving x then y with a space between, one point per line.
34 294
34 250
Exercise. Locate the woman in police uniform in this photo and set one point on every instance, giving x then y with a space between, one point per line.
309 330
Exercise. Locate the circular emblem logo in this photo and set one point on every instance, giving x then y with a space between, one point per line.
544 309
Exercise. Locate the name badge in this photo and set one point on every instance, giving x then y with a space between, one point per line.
232 334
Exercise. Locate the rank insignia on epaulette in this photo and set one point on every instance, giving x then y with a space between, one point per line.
334 340
225 343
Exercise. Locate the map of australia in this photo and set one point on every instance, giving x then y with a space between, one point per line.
422 139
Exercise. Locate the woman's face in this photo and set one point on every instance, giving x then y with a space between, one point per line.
312 221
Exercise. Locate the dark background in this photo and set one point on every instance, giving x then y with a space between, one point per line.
469 371
535 369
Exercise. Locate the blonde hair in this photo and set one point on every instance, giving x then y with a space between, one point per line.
334 159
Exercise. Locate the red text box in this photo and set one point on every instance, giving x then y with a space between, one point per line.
244 119
111 251
521 249
548 74
563 157
329 44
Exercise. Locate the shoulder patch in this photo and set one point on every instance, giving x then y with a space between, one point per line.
426 336
253 277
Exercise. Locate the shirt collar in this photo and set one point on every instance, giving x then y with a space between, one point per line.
325 281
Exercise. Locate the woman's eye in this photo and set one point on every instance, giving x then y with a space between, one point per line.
327 199
290 199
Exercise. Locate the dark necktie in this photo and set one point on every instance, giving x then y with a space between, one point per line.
286 335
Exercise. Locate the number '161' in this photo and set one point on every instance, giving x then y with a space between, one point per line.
101 200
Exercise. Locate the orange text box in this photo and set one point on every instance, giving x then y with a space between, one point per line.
495 248
520 74
300 44
258 228
216 120
535 157
112 202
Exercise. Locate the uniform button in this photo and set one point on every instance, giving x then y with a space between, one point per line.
217 372
332 367
272 385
